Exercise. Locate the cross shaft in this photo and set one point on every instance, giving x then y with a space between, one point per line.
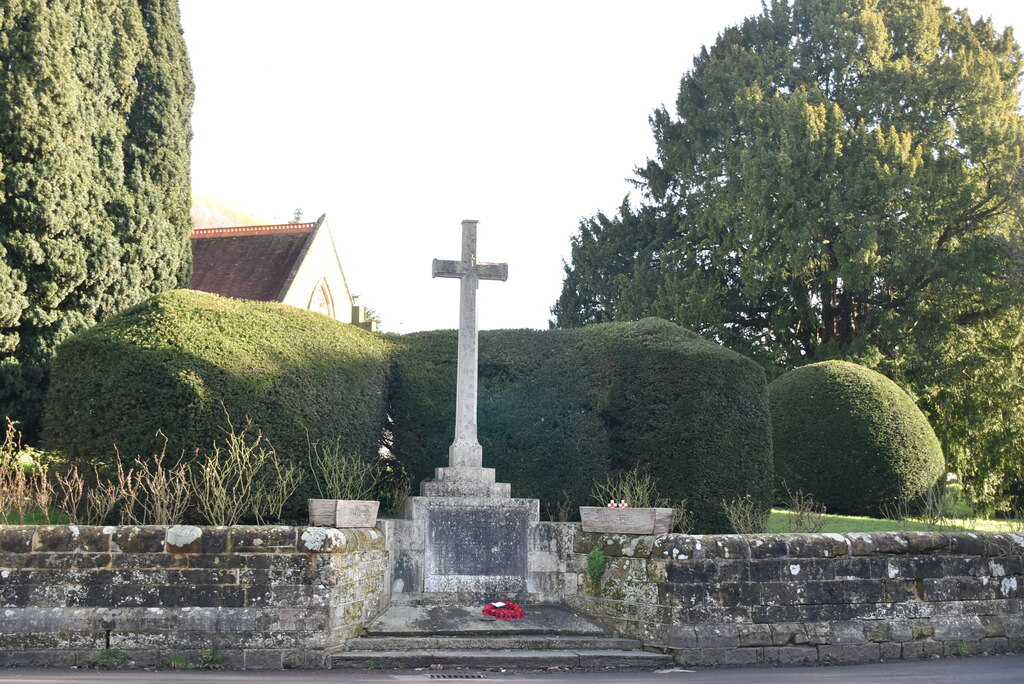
465 450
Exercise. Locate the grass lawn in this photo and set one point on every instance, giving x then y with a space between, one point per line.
849 523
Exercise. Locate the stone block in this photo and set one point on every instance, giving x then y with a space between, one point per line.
958 589
138 539
263 659
673 547
717 636
857 591
682 636
767 546
787 633
995 645
691 571
954 629
967 543
734 594
816 592
766 569
861 567
727 546
180 539
715 657
846 633
15 539
790 655
878 631
754 635
817 546
925 542
781 593
847 654
262 539
890 651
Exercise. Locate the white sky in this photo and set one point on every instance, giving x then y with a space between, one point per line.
398 119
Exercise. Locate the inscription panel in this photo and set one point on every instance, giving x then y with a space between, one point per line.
477 541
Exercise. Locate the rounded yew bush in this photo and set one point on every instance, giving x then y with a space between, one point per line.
852 438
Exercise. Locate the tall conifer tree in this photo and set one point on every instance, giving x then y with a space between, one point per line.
79 235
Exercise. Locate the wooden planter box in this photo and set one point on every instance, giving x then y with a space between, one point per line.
626 520
342 513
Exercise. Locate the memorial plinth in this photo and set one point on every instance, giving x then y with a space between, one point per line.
464 537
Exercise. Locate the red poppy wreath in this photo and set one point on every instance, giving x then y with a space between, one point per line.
504 610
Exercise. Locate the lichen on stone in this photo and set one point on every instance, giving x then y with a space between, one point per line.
183 535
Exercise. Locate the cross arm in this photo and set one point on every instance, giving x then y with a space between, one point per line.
487 271
447 269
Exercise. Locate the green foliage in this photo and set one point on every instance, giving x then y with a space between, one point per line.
561 409
536 423
95 101
840 180
851 438
175 661
109 658
596 564
184 361
211 659
342 475
745 515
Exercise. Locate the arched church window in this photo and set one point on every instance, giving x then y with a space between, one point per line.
320 300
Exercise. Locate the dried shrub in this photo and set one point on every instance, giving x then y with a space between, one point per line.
746 516
805 514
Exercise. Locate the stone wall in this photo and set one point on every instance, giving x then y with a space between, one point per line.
807 599
265 597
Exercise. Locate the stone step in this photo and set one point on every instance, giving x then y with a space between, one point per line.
444 620
524 642
588 658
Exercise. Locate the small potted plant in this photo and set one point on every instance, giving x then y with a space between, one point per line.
346 484
629 505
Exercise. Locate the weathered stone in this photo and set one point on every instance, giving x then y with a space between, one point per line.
691 571
824 592
925 542
790 655
682 636
138 539
967 543
674 547
262 539
848 653
717 636
15 539
767 546
817 546
890 651
754 635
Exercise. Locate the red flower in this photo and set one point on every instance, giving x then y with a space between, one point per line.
509 611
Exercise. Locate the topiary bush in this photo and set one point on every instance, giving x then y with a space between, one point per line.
852 438
559 409
183 361
535 421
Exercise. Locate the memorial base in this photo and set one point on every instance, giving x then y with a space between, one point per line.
464 550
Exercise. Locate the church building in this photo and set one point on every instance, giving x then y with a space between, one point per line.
294 263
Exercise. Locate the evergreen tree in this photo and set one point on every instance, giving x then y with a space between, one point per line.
76 245
841 180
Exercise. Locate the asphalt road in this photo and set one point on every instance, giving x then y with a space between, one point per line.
1008 669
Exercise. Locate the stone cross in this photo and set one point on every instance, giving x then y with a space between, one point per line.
465 451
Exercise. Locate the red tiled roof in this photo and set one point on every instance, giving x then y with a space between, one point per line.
247 262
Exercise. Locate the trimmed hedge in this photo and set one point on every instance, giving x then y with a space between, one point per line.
559 409
852 438
177 361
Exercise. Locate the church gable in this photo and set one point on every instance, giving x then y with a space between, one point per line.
293 263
